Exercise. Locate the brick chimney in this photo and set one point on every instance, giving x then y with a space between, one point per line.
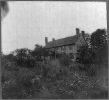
83 33
46 40
77 32
53 39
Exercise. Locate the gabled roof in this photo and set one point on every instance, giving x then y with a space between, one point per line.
62 42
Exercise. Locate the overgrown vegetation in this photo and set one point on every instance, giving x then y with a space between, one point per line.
30 74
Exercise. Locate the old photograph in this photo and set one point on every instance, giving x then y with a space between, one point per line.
54 50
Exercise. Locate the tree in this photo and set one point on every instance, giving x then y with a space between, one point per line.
22 53
93 53
24 58
102 55
99 43
85 55
38 52
88 39
98 39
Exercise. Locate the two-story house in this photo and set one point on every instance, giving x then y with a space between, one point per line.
68 45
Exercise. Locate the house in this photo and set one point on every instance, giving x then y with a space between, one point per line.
68 45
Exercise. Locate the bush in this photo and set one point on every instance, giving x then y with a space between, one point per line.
17 84
102 56
92 70
29 63
65 60
51 69
86 55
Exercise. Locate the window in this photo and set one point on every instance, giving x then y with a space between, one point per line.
64 47
70 47
59 48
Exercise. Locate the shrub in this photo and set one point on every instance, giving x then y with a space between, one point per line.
102 56
65 60
17 84
86 55
102 76
51 69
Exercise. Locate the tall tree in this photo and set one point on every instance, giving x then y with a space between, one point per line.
88 39
96 48
86 55
22 53
39 51
23 56
98 39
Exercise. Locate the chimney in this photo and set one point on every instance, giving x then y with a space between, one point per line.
83 33
46 40
53 39
77 31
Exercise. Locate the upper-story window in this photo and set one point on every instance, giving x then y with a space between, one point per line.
63 47
70 47
59 48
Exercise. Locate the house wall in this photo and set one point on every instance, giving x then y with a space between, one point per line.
67 49
71 48
80 41
59 49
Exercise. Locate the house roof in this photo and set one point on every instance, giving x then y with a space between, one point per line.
62 42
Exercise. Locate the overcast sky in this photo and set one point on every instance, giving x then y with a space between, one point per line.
29 22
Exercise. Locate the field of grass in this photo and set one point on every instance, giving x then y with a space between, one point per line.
53 80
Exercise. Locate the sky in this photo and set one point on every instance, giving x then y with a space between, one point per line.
29 22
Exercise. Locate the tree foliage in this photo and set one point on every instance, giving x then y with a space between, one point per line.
86 55
39 52
88 39
96 48
24 58
98 39
22 53
102 55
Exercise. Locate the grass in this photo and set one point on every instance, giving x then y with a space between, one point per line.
62 81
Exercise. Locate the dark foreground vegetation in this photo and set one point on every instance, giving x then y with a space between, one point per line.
29 74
